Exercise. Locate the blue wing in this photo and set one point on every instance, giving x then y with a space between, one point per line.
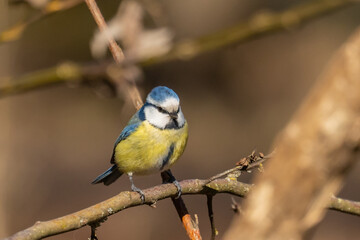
132 125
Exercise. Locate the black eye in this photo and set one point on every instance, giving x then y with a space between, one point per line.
160 109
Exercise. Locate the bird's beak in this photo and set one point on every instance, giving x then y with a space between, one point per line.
173 115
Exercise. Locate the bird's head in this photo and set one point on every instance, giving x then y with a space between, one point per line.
162 109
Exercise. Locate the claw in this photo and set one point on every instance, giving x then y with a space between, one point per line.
172 179
136 189
177 185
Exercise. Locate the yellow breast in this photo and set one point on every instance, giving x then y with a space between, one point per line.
146 149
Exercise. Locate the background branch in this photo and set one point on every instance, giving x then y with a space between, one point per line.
15 32
116 52
258 25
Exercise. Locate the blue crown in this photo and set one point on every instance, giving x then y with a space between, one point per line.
161 93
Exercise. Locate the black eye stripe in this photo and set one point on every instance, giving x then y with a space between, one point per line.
162 110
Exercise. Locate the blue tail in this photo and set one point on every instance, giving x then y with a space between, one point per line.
109 176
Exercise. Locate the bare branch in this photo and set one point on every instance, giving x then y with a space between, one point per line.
345 206
313 154
63 73
245 164
115 50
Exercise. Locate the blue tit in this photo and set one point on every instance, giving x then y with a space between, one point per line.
152 141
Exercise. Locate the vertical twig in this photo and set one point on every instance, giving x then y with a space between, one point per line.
93 232
214 232
191 227
115 50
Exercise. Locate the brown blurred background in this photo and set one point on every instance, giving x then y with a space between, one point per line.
54 141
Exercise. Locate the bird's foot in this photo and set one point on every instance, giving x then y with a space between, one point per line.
168 177
179 190
138 190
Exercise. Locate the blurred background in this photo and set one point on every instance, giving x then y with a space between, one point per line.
54 141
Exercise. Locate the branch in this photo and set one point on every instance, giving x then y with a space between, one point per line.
127 199
314 153
63 73
15 32
345 206
116 52
259 25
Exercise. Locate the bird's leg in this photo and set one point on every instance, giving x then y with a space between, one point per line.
173 180
136 189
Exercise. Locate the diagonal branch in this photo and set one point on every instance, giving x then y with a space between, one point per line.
116 51
127 199
15 32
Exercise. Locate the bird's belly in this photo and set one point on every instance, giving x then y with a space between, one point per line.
150 149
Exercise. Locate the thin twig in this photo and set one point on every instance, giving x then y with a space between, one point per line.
345 206
115 50
235 206
93 231
246 164
214 231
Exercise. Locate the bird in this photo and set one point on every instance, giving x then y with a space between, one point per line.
152 141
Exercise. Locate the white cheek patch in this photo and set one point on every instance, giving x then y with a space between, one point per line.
156 118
